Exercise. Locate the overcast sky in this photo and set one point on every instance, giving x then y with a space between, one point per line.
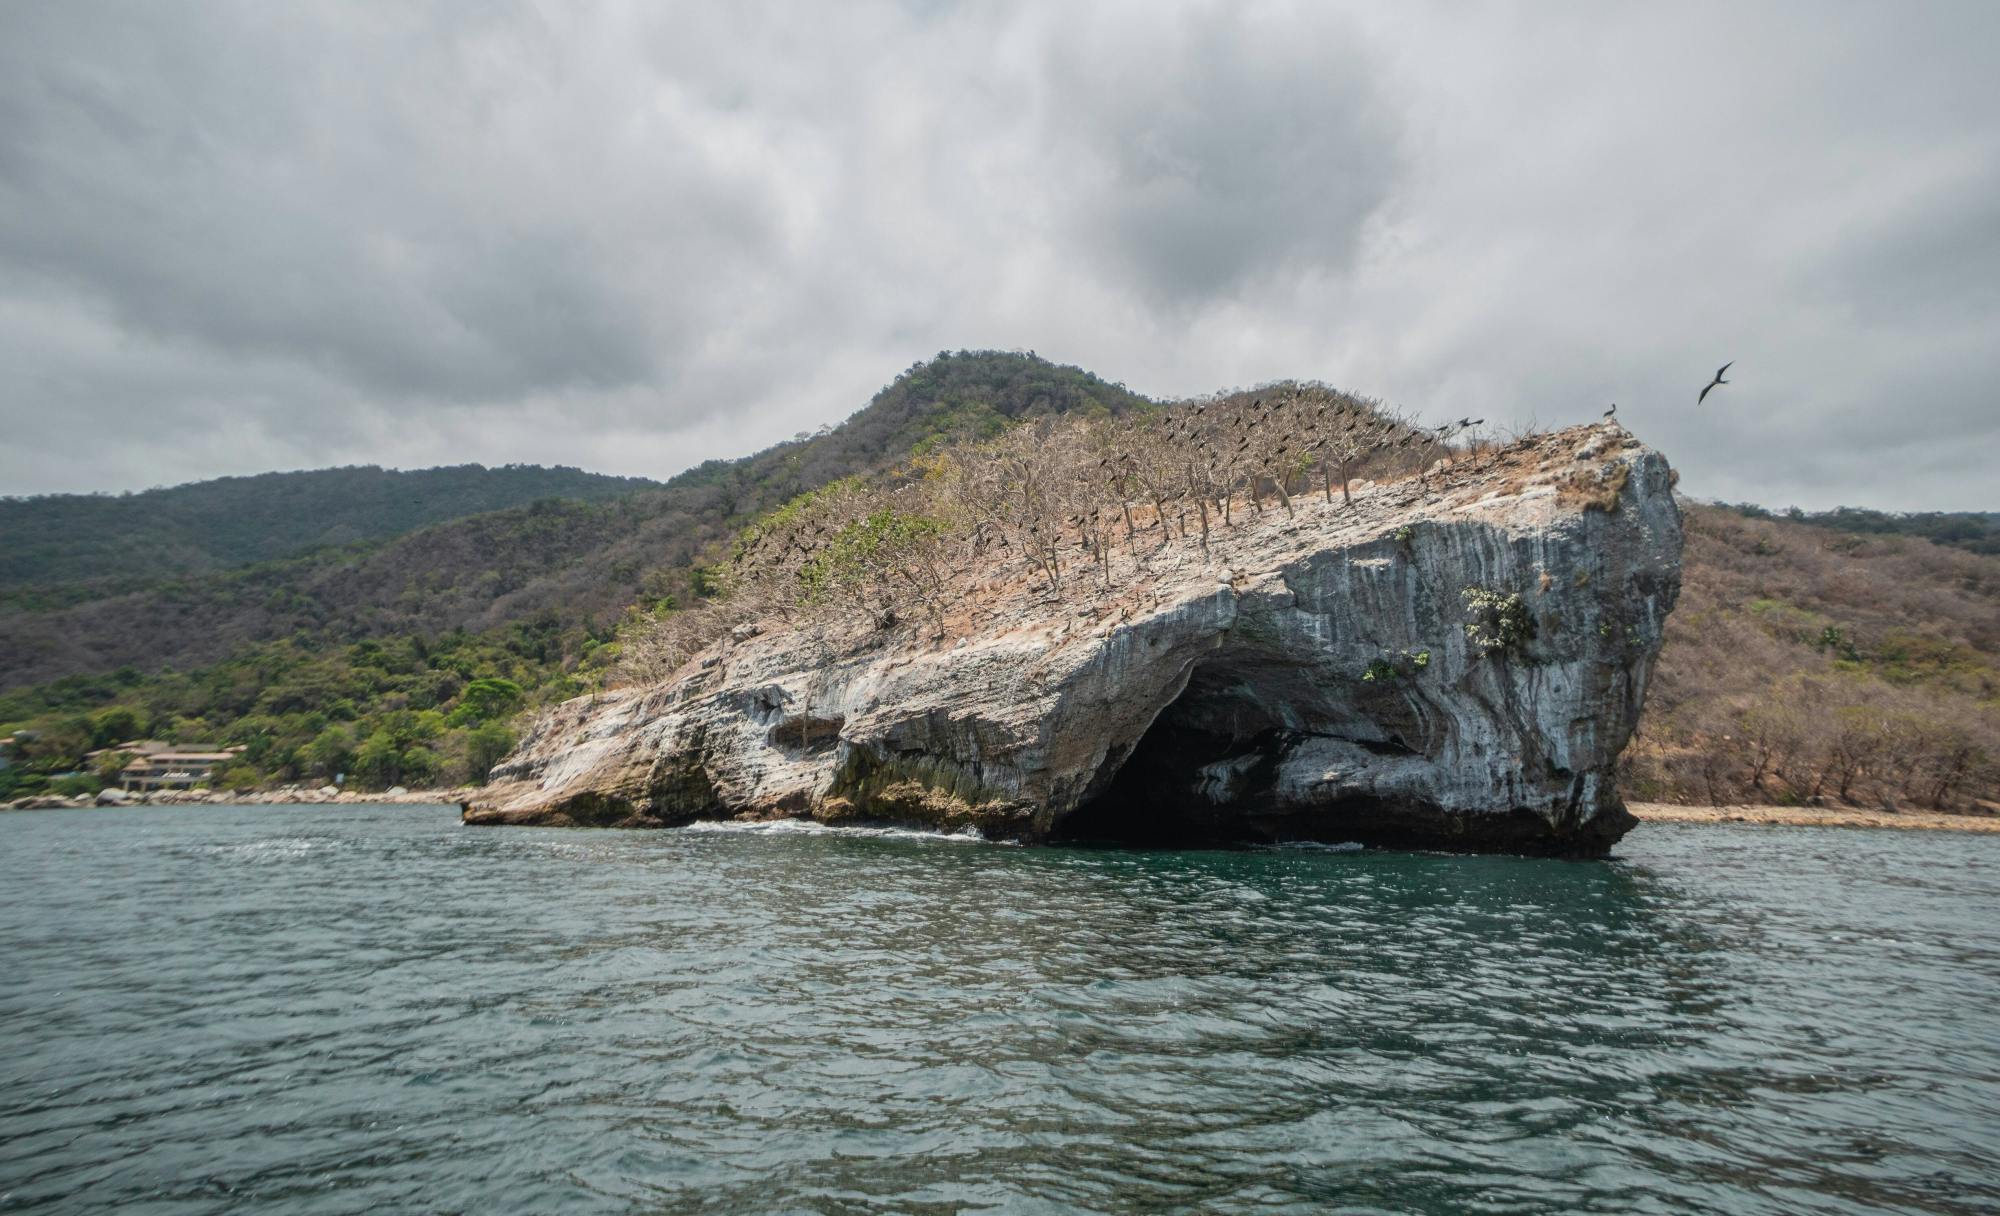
245 236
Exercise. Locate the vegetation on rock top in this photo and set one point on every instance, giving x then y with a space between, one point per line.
1067 500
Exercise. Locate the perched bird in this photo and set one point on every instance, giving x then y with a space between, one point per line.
1718 380
1612 410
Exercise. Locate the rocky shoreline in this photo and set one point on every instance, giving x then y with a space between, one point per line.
1643 812
284 796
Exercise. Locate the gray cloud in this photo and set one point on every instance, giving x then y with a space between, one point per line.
1206 154
236 237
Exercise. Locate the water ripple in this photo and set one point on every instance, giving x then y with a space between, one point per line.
370 1009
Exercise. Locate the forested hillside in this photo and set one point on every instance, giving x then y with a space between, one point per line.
1808 665
234 521
384 642
1804 664
576 563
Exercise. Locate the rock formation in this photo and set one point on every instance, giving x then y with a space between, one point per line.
1452 661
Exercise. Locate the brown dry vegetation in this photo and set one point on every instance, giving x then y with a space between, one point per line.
1060 508
1806 667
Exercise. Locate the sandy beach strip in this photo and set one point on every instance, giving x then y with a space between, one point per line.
1816 817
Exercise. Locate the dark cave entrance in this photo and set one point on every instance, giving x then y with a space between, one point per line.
1156 800
1206 773
1211 772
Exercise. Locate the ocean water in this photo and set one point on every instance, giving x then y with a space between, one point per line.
372 1009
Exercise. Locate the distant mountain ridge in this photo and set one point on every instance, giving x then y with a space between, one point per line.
1973 531
568 566
214 525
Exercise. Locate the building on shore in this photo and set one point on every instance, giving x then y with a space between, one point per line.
137 747
174 769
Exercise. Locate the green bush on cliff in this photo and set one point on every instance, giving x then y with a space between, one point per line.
1500 624
866 546
1397 666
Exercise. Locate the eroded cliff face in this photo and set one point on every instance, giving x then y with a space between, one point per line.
1454 662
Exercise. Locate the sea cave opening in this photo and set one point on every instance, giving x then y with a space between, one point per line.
1208 771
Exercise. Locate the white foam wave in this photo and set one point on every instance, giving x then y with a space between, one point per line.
810 827
282 849
1314 846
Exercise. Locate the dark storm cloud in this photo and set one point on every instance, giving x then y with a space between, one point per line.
237 236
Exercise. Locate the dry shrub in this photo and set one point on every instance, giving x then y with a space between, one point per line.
1074 503
1809 667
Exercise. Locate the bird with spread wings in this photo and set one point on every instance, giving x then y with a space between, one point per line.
1718 380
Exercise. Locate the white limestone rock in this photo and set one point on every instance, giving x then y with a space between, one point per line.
1450 662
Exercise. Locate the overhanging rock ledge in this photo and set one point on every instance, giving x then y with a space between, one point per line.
1455 661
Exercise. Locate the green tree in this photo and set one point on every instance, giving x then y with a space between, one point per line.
419 765
395 753
115 724
239 777
111 766
379 762
408 726
486 699
485 747
332 751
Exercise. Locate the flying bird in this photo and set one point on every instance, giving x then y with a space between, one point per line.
1718 380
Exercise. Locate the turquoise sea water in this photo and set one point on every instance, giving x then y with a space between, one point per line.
372 1009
